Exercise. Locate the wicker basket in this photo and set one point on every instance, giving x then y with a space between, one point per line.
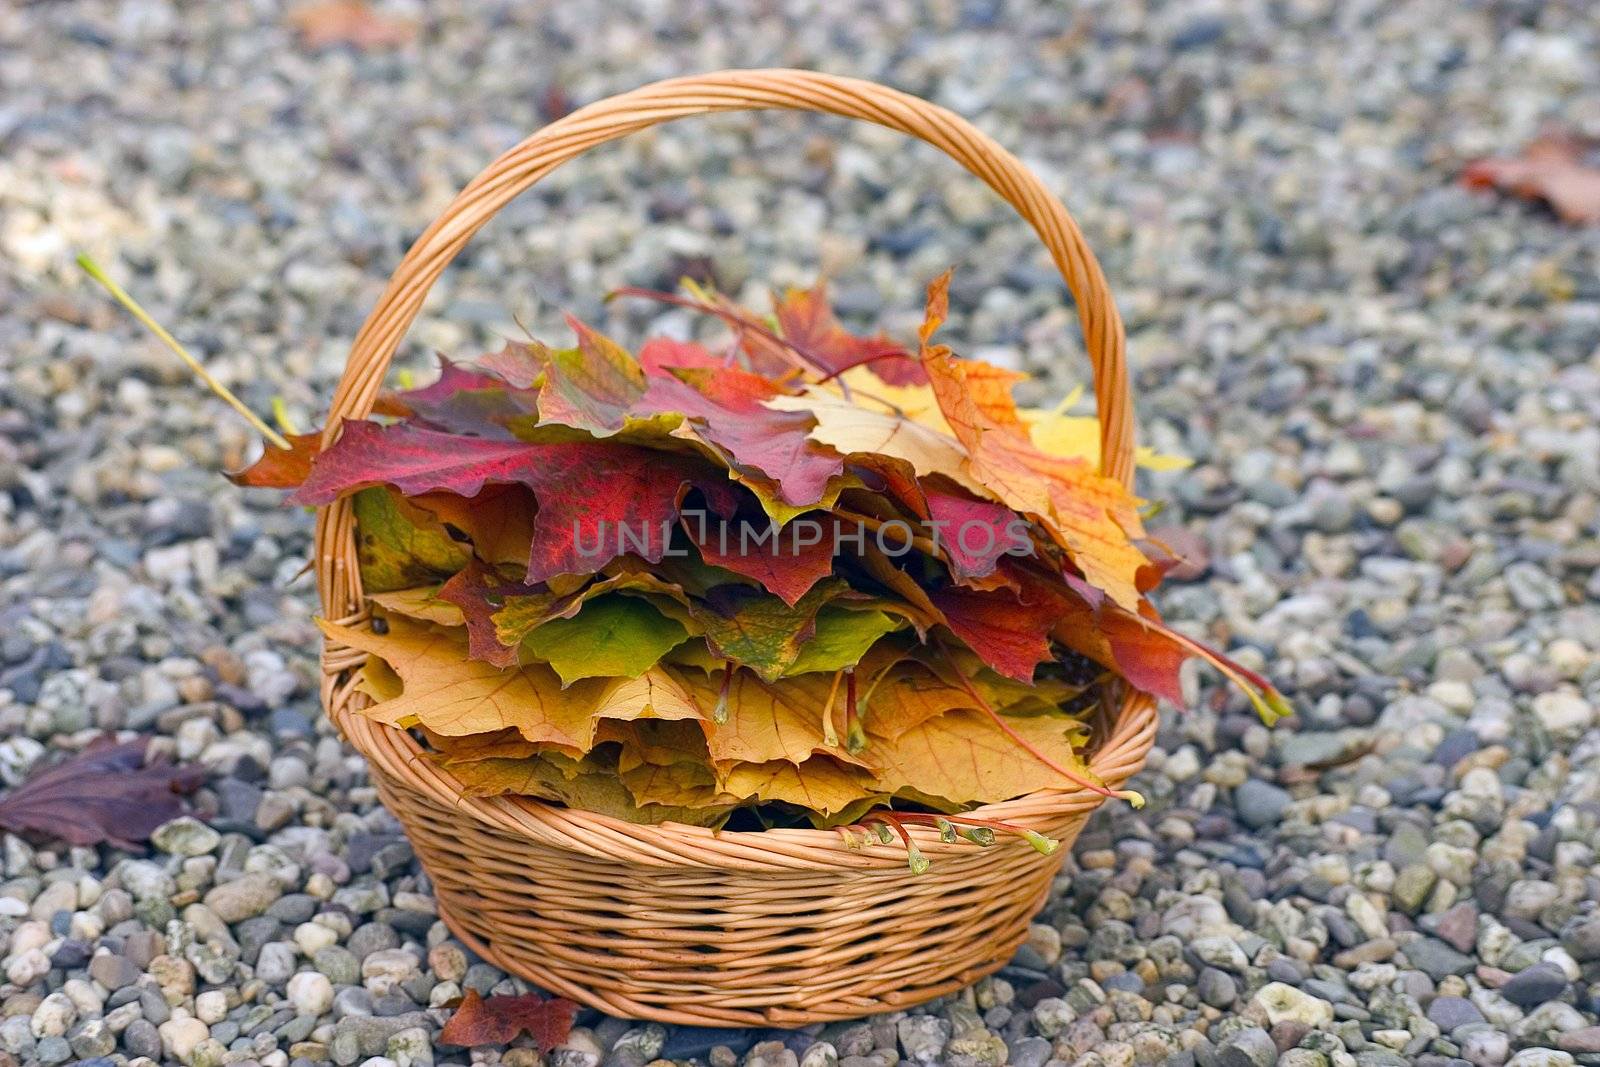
682 924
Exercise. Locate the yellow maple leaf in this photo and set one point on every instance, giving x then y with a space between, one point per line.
658 693
856 428
777 721
962 757
1078 437
451 694
588 787
819 784
678 785
420 602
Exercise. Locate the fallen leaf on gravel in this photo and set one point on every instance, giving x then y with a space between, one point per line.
104 794
351 22
497 1020
1551 169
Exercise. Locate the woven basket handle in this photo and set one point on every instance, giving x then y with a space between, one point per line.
731 90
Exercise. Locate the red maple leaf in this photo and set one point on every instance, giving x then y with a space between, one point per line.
1007 632
597 499
726 405
659 353
787 565
498 1020
281 468
465 399
807 322
974 535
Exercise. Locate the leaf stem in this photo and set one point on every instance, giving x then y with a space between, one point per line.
93 270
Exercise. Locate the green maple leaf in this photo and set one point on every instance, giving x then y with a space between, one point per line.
614 636
842 637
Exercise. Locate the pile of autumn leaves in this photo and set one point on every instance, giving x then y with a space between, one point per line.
695 583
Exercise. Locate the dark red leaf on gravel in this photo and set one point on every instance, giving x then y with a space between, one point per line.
498 1020
104 794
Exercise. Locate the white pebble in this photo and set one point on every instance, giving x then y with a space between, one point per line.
310 993
211 1006
180 1034
313 936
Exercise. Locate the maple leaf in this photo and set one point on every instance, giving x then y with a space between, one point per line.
451 694
907 695
1093 517
840 638
807 322
497 522
658 741
498 1020
756 630
1008 633
593 495
397 547
820 784
1551 169
975 534
515 614
1078 437
590 387
476 592
281 468
423 602
468 400
767 722
681 784
105 794
962 757
727 408
786 562
613 636
660 353
353 22
585 786
470 748
658 693
858 431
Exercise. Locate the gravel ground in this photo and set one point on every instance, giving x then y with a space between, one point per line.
1390 384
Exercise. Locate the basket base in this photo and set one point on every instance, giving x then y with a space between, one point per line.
731 948
777 1016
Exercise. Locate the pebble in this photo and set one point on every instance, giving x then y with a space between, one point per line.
185 836
1260 803
243 898
1535 985
310 993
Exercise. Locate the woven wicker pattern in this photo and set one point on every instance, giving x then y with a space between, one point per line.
682 924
